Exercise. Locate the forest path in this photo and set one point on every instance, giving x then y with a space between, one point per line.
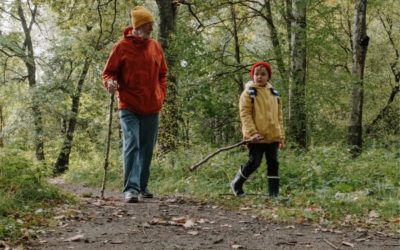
177 223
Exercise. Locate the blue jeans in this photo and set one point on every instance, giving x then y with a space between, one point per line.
139 138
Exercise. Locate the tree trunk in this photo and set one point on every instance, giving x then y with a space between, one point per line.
29 60
62 162
167 139
360 45
238 61
298 118
1 126
289 19
276 44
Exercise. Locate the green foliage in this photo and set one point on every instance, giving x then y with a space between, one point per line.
25 197
322 186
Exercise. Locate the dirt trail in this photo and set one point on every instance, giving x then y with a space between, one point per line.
176 223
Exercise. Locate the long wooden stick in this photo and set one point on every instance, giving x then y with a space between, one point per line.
218 151
110 115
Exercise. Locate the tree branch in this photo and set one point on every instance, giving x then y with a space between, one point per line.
194 167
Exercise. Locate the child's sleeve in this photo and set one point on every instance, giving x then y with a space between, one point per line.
246 115
280 117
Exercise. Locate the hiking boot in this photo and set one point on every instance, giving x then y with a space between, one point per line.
131 197
237 183
146 194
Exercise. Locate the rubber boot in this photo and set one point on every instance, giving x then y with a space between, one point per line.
273 186
237 183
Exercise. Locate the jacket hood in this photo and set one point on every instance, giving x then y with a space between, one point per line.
252 84
128 34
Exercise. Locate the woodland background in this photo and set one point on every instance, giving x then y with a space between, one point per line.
341 164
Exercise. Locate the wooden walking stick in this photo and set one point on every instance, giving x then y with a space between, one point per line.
218 151
110 114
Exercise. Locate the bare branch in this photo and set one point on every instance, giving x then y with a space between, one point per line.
10 14
189 5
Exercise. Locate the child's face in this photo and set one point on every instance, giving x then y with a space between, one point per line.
261 75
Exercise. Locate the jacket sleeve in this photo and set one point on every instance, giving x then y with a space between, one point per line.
246 115
112 67
163 73
280 117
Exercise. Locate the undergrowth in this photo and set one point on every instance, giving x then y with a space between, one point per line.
322 186
26 200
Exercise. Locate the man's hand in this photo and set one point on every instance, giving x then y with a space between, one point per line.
112 86
256 138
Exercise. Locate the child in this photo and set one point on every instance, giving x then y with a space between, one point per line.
262 122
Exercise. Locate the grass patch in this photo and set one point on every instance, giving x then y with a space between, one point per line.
322 186
26 200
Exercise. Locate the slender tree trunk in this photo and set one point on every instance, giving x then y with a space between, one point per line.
62 162
276 44
289 19
29 60
360 45
238 60
298 118
1 127
167 139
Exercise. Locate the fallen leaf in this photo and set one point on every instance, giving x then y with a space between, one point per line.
179 220
347 244
39 211
158 221
171 200
245 208
116 242
373 214
193 232
60 217
226 225
188 223
237 246
361 239
77 237
202 221
4 245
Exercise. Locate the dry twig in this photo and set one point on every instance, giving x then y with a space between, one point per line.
216 152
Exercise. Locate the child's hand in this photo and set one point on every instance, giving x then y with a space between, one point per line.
256 138
281 144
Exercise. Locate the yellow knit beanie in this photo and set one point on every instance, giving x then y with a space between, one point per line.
140 15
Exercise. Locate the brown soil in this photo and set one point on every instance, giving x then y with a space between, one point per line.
178 223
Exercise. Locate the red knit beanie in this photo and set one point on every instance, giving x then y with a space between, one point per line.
260 63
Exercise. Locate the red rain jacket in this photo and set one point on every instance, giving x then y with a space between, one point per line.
139 67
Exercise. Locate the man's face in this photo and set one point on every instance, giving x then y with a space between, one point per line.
261 75
145 30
